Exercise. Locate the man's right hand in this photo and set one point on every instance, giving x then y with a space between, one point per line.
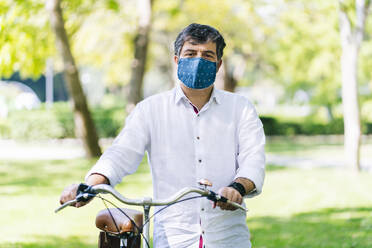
69 193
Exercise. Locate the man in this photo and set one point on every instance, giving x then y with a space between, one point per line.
192 132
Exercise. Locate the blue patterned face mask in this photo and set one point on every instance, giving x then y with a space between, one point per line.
196 73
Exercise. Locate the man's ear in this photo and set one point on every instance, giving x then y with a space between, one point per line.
175 58
219 63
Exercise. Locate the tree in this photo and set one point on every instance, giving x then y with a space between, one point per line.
141 42
351 34
104 38
303 51
237 20
84 125
20 48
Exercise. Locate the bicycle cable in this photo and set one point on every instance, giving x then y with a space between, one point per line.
186 199
112 217
148 220
126 215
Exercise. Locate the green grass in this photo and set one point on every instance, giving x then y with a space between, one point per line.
29 193
313 146
312 208
298 208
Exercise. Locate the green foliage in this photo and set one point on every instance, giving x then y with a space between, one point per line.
4 128
95 29
306 126
293 43
35 125
305 50
25 41
58 122
103 38
109 121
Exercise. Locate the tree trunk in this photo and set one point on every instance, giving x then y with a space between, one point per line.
351 39
84 125
141 41
229 81
329 112
232 73
352 129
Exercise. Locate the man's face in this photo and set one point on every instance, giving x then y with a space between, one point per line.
206 51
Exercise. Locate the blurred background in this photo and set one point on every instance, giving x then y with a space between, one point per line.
72 70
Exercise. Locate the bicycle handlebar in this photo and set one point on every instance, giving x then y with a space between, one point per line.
106 189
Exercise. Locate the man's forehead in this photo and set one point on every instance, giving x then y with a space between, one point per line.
194 45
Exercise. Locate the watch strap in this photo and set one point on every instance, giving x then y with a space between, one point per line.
239 187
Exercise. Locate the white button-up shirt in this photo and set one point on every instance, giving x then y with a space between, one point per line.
224 141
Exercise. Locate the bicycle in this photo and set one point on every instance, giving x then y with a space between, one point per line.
123 227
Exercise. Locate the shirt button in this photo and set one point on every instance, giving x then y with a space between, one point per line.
198 137
203 232
202 209
200 160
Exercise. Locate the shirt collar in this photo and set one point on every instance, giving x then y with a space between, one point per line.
179 94
216 95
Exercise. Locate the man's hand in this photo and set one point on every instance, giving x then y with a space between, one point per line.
69 193
232 195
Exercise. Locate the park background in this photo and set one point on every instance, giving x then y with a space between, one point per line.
68 83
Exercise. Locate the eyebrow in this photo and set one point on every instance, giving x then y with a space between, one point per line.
189 50
207 51
210 51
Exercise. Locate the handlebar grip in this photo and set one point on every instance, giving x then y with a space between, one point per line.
216 197
68 203
84 193
223 199
237 205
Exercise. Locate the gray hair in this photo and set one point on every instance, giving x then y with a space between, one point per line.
200 34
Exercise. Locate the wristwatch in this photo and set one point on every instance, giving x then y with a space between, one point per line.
239 187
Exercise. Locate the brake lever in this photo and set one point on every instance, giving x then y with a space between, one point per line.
84 193
216 197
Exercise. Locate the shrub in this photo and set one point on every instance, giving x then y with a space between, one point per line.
109 121
58 122
269 125
273 126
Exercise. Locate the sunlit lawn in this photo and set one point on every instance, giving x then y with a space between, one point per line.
298 208
313 208
314 146
29 193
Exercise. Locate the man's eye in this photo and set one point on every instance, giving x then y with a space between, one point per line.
209 57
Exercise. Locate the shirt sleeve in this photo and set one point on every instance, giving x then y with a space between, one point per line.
251 148
125 154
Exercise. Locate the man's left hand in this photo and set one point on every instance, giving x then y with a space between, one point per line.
232 195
